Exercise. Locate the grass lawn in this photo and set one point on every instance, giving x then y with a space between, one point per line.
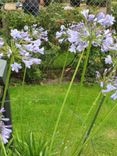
40 105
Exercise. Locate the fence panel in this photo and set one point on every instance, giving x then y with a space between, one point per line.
32 6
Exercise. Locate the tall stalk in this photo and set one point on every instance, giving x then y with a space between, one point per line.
87 134
3 148
24 76
63 70
21 105
105 118
80 87
64 101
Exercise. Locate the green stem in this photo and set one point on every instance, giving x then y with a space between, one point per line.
62 107
87 134
4 150
24 76
86 63
106 117
89 112
81 83
21 105
63 70
95 132
7 82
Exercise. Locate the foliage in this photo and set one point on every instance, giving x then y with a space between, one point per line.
34 75
30 147
80 39
27 146
50 18
114 12
96 63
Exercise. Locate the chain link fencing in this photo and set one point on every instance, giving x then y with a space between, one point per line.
33 6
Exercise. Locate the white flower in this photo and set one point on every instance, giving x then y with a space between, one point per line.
108 59
68 8
9 53
26 28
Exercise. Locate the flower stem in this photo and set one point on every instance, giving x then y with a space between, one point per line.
87 134
80 87
106 117
63 70
4 150
21 105
24 76
64 101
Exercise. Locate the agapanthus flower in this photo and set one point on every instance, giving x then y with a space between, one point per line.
5 130
94 30
16 67
105 20
111 87
40 33
29 62
85 13
26 46
16 34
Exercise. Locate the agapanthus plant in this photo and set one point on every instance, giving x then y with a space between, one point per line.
26 46
95 31
23 50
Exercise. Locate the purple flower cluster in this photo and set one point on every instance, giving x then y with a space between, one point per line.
5 130
94 29
108 81
26 46
111 87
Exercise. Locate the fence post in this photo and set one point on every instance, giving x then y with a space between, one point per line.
108 6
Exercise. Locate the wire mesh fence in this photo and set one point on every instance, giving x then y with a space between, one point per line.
33 6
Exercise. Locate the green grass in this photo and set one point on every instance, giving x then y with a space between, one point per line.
40 106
